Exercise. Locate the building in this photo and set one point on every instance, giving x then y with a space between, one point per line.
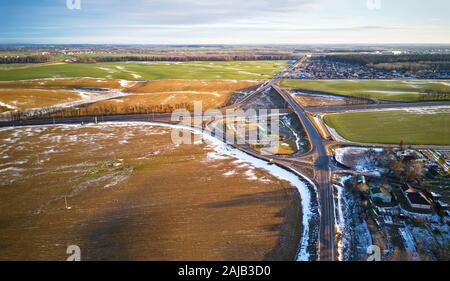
361 184
442 205
435 195
361 179
380 195
416 199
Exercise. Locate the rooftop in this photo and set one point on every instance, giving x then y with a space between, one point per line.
416 198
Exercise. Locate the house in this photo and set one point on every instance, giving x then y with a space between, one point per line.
406 154
380 194
371 211
435 196
415 198
361 179
442 205
361 184
388 219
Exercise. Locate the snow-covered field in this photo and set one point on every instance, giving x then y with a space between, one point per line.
359 159
308 209
247 163
353 231
296 93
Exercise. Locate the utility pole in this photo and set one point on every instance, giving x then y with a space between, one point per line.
67 206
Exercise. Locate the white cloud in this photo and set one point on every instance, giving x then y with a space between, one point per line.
225 21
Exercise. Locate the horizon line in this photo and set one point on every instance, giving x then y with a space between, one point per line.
228 44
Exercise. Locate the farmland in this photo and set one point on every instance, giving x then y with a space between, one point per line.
31 94
167 93
28 94
22 99
134 195
414 126
234 70
408 90
323 100
67 83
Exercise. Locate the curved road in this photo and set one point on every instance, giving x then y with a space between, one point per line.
318 150
322 178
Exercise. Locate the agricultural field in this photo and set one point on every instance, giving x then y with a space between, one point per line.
66 83
408 90
32 94
174 93
323 100
234 70
413 126
13 66
23 99
126 192
282 148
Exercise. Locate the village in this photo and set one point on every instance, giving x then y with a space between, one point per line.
323 67
401 194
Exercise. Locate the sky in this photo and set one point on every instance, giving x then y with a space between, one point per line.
224 21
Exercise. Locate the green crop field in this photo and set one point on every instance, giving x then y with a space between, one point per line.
408 90
390 127
234 70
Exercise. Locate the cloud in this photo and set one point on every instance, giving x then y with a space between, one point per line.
193 11
222 21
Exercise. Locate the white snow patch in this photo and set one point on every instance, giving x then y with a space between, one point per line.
7 105
250 174
224 150
230 173
125 83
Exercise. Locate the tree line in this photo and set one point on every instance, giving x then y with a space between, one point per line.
435 95
181 58
365 59
24 59
89 110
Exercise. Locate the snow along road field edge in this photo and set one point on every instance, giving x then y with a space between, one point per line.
223 148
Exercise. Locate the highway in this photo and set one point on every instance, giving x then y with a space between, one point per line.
322 179
318 150
318 147
161 117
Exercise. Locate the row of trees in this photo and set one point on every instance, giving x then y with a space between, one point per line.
435 95
407 66
24 59
430 95
365 59
403 168
96 110
183 58
407 170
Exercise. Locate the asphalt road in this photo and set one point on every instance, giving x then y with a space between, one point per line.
317 149
166 118
160 117
322 178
